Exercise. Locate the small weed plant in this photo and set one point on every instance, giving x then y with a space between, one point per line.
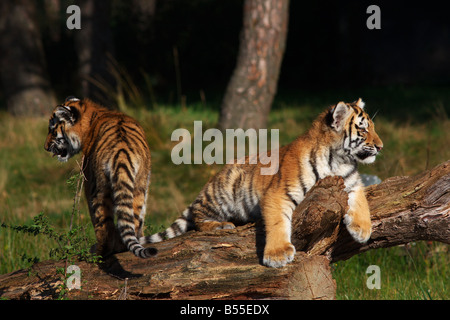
73 244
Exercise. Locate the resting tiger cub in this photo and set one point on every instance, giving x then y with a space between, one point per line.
339 138
116 167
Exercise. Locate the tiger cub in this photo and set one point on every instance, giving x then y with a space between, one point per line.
339 139
116 167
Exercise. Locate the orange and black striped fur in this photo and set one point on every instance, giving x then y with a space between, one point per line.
339 139
116 167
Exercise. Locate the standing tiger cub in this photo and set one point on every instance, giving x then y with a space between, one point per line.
116 167
340 138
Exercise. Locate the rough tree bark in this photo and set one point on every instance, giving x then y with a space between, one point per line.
226 264
23 75
252 87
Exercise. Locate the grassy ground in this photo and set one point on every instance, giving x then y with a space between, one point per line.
413 124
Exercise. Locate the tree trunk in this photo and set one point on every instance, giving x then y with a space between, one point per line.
23 67
95 50
53 19
226 264
144 12
252 87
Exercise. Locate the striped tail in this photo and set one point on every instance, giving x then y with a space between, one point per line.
123 207
182 225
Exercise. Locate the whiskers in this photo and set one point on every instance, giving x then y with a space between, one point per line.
373 117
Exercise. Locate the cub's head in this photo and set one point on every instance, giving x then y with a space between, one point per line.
64 130
356 130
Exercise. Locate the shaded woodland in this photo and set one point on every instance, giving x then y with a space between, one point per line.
179 51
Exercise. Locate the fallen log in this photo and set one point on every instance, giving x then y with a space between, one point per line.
226 264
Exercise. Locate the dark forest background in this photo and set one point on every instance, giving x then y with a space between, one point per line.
189 47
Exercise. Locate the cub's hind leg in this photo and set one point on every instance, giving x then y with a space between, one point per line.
207 210
214 225
357 219
102 216
207 218
99 198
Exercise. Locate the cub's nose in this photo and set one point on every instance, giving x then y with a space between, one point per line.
378 148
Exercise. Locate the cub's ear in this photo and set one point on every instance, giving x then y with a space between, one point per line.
360 103
67 114
339 115
71 98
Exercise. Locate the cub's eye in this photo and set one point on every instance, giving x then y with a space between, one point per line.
363 129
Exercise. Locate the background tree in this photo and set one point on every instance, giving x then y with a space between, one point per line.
24 77
252 87
95 49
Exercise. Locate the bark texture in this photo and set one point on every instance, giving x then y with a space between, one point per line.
252 87
226 264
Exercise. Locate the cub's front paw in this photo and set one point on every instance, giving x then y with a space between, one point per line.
359 229
279 256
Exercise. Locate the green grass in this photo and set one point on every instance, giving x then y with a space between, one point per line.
416 271
31 181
